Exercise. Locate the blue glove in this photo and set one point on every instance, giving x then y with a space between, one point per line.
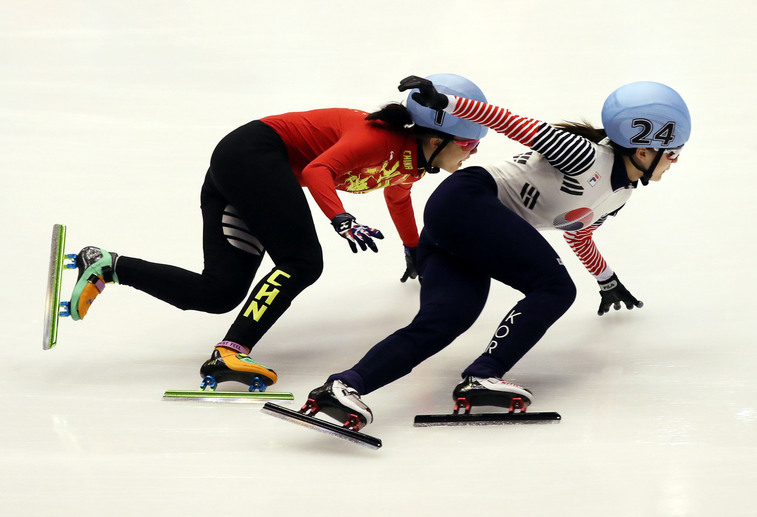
612 293
411 271
355 233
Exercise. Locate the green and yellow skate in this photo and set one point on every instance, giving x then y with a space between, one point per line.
211 395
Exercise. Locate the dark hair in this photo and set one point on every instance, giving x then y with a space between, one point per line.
398 117
394 114
595 134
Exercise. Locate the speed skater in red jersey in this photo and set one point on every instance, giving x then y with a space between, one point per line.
253 203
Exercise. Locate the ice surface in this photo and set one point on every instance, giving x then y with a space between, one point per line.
110 112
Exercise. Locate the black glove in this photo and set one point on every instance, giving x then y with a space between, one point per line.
355 233
427 94
612 293
410 270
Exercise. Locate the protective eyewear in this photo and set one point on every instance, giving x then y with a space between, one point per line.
467 145
673 153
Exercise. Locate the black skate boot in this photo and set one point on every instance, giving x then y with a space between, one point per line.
96 268
341 403
477 391
226 364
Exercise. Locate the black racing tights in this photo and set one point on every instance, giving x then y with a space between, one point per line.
251 203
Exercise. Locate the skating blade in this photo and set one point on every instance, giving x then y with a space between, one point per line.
54 274
487 419
321 425
226 396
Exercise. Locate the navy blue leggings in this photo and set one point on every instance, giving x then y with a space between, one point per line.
469 238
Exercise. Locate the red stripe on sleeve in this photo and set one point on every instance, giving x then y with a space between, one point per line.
582 244
501 120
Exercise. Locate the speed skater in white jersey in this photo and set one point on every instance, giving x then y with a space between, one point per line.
482 223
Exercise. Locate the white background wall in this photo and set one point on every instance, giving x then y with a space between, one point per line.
110 111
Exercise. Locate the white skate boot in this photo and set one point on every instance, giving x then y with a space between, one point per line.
477 391
340 402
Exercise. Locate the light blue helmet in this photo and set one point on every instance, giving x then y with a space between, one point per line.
440 121
646 114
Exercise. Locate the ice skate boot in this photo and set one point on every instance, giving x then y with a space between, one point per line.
477 391
96 268
341 403
232 364
338 401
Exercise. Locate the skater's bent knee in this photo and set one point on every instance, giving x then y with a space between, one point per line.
562 292
567 289
306 270
313 270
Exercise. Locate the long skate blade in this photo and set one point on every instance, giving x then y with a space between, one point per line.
487 419
226 396
321 425
54 275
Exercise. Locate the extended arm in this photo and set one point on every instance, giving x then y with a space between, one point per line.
400 206
611 290
570 154
319 176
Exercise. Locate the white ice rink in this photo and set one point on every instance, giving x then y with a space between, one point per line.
110 111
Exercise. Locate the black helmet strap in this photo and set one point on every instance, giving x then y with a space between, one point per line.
647 173
429 167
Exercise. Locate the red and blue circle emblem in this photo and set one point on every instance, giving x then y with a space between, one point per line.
574 219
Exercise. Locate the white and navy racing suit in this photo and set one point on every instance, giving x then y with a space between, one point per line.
483 223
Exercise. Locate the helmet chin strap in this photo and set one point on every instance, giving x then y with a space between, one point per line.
647 173
429 163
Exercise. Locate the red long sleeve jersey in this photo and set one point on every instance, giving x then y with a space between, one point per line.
337 149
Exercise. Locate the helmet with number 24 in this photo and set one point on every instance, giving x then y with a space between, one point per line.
646 114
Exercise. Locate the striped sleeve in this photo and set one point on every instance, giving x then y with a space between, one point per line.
582 244
570 154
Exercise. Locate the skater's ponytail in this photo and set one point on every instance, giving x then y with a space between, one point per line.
583 129
394 114
595 134
398 117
